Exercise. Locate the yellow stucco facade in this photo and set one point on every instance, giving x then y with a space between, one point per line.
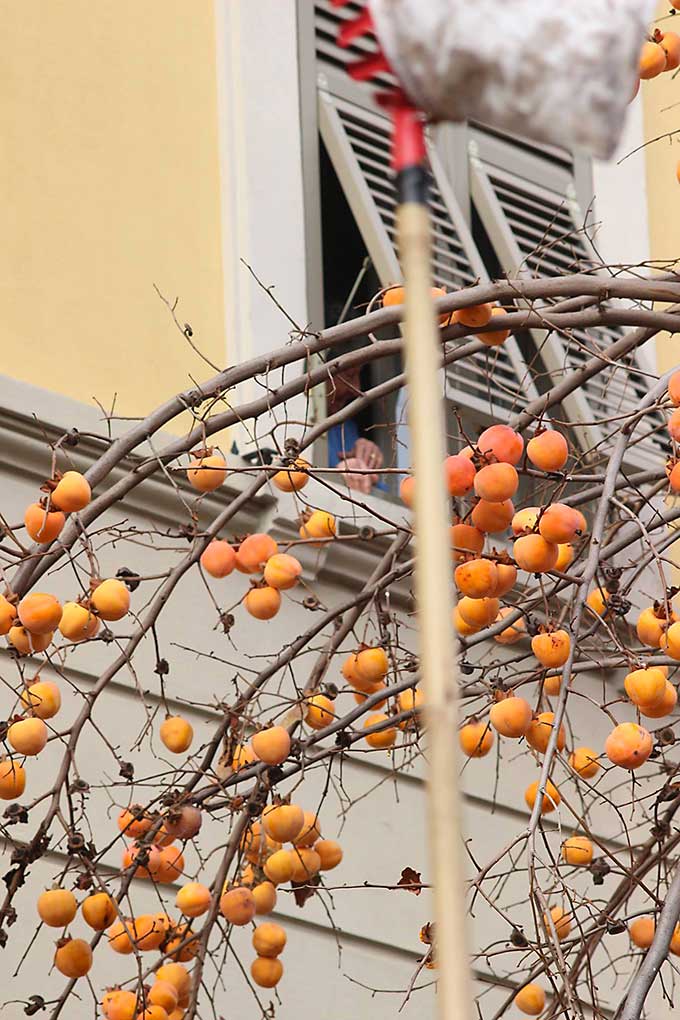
660 98
110 183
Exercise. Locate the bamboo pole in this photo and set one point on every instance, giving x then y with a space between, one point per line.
435 600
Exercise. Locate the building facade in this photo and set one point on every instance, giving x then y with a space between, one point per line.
164 165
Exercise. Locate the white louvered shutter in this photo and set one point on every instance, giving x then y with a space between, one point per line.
495 382
529 211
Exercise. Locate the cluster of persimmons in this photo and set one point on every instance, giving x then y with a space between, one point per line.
282 842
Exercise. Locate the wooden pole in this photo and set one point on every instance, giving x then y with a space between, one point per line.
434 601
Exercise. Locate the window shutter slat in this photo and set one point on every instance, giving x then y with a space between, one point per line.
538 231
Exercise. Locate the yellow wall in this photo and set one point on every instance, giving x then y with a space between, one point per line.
109 179
663 189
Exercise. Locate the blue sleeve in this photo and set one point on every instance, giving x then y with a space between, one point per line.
340 438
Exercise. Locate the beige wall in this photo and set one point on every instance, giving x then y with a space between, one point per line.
109 183
659 97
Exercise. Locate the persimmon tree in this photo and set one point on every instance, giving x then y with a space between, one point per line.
550 619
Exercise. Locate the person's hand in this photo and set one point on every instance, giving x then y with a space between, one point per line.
369 452
351 466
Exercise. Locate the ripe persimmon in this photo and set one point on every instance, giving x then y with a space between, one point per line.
283 822
170 865
99 911
478 612
372 664
28 736
254 551
292 478
598 600
548 450
476 739
511 717
628 745
411 700
561 922
207 473
306 864
42 525
565 556
407 491
383 738
163 994
460 474
578 851
119 1004
40 613
8 615
540 730
534 554
460 626
524 521
262 602
148 932
42 698
329 852
237 905
73 957
57 907
264 894
193 899
674 425
501 443
177 975
474 316
12 779
674 389
645 686
319 711
77 622
530 1000
506 574
551 796
560 523
134 822
496 482
218 558
465 539
27 643
266 972
670 43
496 337
310 831
282 571
269 939
149 860
176 733
513 632
111 599
652 60
642 931
243 756
664 707
272 745
279 867
652 624
477 578
551 648
492 517
320 524
72 492
583 760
